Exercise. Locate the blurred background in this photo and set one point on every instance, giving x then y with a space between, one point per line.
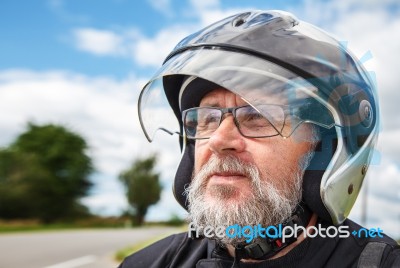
70 75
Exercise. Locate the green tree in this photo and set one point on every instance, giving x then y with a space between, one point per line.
21 178
44 173
142 185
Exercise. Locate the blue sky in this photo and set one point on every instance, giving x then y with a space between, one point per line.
83 63
39 35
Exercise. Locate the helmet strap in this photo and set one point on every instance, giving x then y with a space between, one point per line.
267 247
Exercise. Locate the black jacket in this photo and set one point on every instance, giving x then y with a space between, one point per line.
181 251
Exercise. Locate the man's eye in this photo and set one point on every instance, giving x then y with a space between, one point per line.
191 123
254 121
209 119
252 117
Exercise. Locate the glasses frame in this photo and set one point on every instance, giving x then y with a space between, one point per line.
232 110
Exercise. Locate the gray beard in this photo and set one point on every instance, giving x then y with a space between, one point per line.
266 205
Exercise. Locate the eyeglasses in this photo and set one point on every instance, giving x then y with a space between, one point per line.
202 122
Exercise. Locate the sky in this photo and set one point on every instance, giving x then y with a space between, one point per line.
82 64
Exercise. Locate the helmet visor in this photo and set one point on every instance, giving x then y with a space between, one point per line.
283 98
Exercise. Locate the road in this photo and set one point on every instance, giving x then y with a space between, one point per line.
71 249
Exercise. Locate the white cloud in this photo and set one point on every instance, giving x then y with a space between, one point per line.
205 5
100 42
383 186
130 43
153 51
95 107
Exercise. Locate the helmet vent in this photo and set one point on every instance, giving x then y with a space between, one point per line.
365 113
350 189
240 19
238 22
364 169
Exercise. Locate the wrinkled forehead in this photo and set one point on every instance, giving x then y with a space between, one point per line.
222 97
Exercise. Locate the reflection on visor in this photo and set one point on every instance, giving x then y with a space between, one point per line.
155 113
284 99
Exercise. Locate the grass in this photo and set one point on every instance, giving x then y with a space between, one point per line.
36 228
31 226
35 225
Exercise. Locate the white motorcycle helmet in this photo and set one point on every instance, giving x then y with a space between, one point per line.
261 55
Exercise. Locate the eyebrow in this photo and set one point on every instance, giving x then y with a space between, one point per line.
209 104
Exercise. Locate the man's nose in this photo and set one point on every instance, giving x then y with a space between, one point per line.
227 138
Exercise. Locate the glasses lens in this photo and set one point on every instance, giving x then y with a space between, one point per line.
200 123
254 124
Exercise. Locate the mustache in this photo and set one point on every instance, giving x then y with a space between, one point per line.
228 164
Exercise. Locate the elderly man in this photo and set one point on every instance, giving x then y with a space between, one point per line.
277 123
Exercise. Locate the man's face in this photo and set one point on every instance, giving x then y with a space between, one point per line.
277 158
245 181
